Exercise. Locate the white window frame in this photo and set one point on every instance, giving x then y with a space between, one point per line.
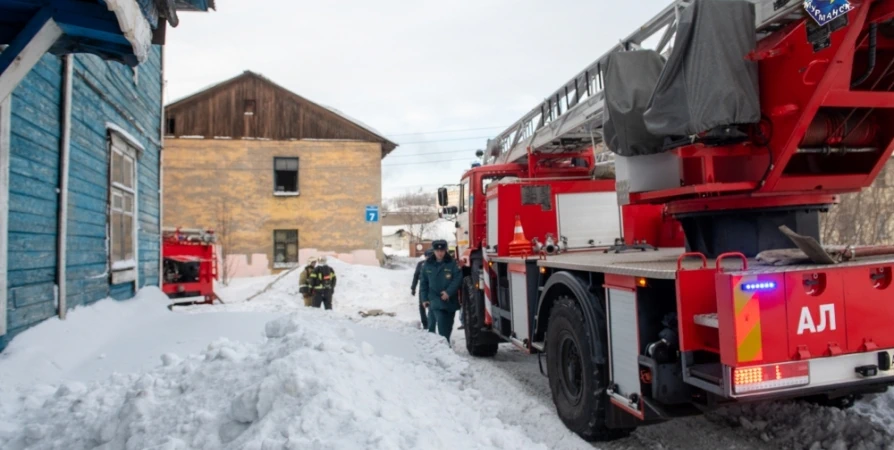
4 206
124 270
287 264
297 177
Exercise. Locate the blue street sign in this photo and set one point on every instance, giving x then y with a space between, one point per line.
372 213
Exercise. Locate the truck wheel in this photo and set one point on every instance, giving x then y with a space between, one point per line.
577 382
478 342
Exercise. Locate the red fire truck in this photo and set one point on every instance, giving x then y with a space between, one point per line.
658 292
190 266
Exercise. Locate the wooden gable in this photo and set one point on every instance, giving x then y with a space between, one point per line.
251 106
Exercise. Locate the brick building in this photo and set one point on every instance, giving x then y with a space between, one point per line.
277 176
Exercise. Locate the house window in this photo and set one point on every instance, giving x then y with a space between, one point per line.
172 127
249 107
122 210
285 176
285 248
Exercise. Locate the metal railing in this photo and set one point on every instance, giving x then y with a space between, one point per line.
571 117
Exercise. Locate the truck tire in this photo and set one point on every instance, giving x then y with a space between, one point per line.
577 382
478 342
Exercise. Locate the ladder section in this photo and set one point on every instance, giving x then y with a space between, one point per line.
570 119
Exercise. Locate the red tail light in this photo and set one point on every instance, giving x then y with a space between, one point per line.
770 377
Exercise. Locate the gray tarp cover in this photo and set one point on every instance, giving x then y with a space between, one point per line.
707 81
630 79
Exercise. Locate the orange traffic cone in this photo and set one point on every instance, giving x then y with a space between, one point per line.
519 246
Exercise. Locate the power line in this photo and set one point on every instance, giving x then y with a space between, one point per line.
427 162
444 131
445 140
431 153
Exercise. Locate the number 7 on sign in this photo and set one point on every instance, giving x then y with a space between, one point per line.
372 216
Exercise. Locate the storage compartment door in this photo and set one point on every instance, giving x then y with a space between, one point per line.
590 219
492 224
518 284
623 343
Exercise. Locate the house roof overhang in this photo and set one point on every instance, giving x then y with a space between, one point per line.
117 30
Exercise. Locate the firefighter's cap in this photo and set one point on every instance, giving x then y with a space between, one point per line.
440 244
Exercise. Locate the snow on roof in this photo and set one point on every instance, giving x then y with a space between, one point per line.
134 26
349 118
439 229
389 230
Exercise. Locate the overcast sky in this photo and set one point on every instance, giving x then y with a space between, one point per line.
406 66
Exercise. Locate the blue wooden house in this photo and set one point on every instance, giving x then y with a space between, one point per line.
80 140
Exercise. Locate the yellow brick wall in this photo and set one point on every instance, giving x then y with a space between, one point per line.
336 180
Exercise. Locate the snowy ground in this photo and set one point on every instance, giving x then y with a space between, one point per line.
270 374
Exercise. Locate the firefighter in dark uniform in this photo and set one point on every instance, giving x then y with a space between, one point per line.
423 314
322 282
439 288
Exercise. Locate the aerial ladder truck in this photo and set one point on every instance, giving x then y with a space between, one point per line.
651 230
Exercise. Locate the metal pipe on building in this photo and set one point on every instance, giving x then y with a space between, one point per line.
161 175
64 156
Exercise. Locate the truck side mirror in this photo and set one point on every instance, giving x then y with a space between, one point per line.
451 211
442 196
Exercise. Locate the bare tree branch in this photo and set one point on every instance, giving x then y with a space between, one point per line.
863 218
418 210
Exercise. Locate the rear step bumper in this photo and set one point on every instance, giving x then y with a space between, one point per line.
825 374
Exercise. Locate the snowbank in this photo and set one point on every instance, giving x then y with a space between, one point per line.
308 386
802 425
49 350
114 336
880 409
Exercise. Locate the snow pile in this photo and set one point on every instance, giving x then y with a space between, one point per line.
879 408
238 289
53 348
359 288
308 386
801 425
388 251
110 336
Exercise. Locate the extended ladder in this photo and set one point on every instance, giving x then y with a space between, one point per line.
570 119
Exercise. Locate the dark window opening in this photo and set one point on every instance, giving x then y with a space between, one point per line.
249 107
172 126
285 246
285 175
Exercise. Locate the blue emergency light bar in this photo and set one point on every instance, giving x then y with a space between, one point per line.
759 286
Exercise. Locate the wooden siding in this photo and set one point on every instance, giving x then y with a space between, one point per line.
33 178
102 93
277 114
